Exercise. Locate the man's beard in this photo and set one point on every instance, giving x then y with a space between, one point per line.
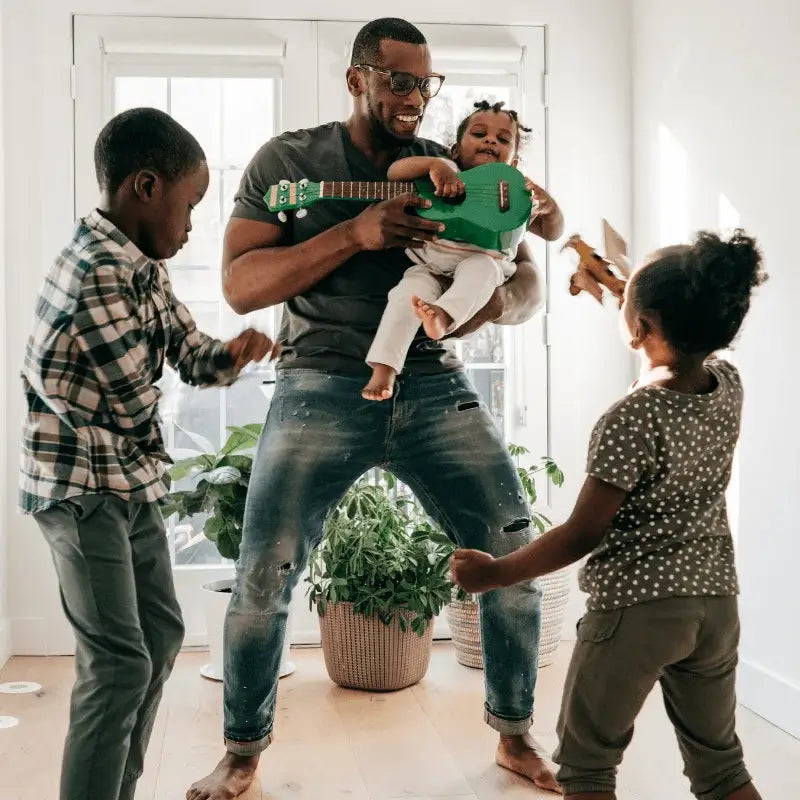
385 138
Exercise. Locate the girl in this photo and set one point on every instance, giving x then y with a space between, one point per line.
489 134
661 577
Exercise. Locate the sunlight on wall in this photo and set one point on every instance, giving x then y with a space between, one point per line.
673 189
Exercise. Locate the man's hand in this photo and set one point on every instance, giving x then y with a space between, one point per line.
474 571
446 181
387 224
251 345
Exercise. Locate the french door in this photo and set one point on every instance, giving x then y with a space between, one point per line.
234 84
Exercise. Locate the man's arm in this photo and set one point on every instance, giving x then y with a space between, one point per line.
516 301
259 269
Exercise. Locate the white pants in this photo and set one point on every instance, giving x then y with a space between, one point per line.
474 280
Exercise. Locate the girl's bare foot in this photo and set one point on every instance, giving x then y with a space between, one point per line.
231 778
435 321
521 754
381 384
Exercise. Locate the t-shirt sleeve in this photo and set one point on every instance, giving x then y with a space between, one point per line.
618 452
267 167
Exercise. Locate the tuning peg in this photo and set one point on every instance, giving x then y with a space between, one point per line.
302 183
283 183
301 212
282 216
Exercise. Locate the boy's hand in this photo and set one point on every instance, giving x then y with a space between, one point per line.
446 181
474 571
251 345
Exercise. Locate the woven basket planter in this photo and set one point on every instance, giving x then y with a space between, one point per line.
464 621
363 653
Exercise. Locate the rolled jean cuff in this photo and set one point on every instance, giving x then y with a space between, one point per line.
507 727
248 748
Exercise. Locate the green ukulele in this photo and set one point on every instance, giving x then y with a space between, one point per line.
493 213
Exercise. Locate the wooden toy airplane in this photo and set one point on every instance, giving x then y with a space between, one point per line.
594 272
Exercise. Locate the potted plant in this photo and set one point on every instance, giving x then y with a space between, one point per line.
378 578
219 491
462 612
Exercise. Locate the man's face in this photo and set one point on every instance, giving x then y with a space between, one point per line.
395 120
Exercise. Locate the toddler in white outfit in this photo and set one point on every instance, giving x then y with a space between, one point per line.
489 134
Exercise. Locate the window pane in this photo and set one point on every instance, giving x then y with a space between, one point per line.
204 247
133 92
452 104
490 384
248 115
484 347
197 104
231 118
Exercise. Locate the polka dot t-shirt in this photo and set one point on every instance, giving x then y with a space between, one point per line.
672 452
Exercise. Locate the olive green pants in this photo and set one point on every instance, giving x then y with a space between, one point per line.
688 645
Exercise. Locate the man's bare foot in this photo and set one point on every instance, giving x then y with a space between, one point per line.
522 755
231 778
435 321
381 384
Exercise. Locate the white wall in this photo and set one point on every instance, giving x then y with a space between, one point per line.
722 76
5 626
589 134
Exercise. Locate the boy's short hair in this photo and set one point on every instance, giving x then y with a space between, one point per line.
144 138
367 44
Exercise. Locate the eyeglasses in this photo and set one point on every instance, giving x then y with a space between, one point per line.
403 83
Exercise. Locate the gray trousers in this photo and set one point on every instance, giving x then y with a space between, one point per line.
113 566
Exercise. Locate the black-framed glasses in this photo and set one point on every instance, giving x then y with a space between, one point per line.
403 83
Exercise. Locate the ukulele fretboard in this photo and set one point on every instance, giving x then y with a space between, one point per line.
364 190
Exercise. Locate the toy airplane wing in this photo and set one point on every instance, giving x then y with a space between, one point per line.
616 249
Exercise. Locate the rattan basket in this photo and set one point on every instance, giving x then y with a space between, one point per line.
363 653
464 621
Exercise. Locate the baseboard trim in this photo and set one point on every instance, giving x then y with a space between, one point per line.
770 696
5 641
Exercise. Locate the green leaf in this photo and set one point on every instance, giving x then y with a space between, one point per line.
241 438
184 468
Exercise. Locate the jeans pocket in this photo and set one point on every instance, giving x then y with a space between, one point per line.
599 626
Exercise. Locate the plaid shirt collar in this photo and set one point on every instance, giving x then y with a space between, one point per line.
142 265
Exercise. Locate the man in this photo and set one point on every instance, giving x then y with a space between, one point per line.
333 269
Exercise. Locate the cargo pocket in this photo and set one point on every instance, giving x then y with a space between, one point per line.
599 626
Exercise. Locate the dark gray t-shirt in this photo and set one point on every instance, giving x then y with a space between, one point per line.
331 326
673 453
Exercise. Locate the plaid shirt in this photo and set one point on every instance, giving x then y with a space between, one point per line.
106 321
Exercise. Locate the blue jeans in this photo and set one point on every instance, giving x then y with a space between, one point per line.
435 435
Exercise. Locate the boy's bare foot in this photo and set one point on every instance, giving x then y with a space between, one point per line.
435 321
381 384
231 778
521 754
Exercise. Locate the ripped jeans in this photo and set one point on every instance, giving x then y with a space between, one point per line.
435 435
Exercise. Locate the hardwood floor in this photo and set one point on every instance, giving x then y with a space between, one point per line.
425 742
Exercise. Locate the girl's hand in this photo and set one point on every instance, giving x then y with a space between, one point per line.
547 220
474 571
446 181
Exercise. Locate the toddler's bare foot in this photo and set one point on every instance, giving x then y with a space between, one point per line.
521 754
231 778
381 384
435 321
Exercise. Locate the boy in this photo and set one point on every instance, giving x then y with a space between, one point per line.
93 463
